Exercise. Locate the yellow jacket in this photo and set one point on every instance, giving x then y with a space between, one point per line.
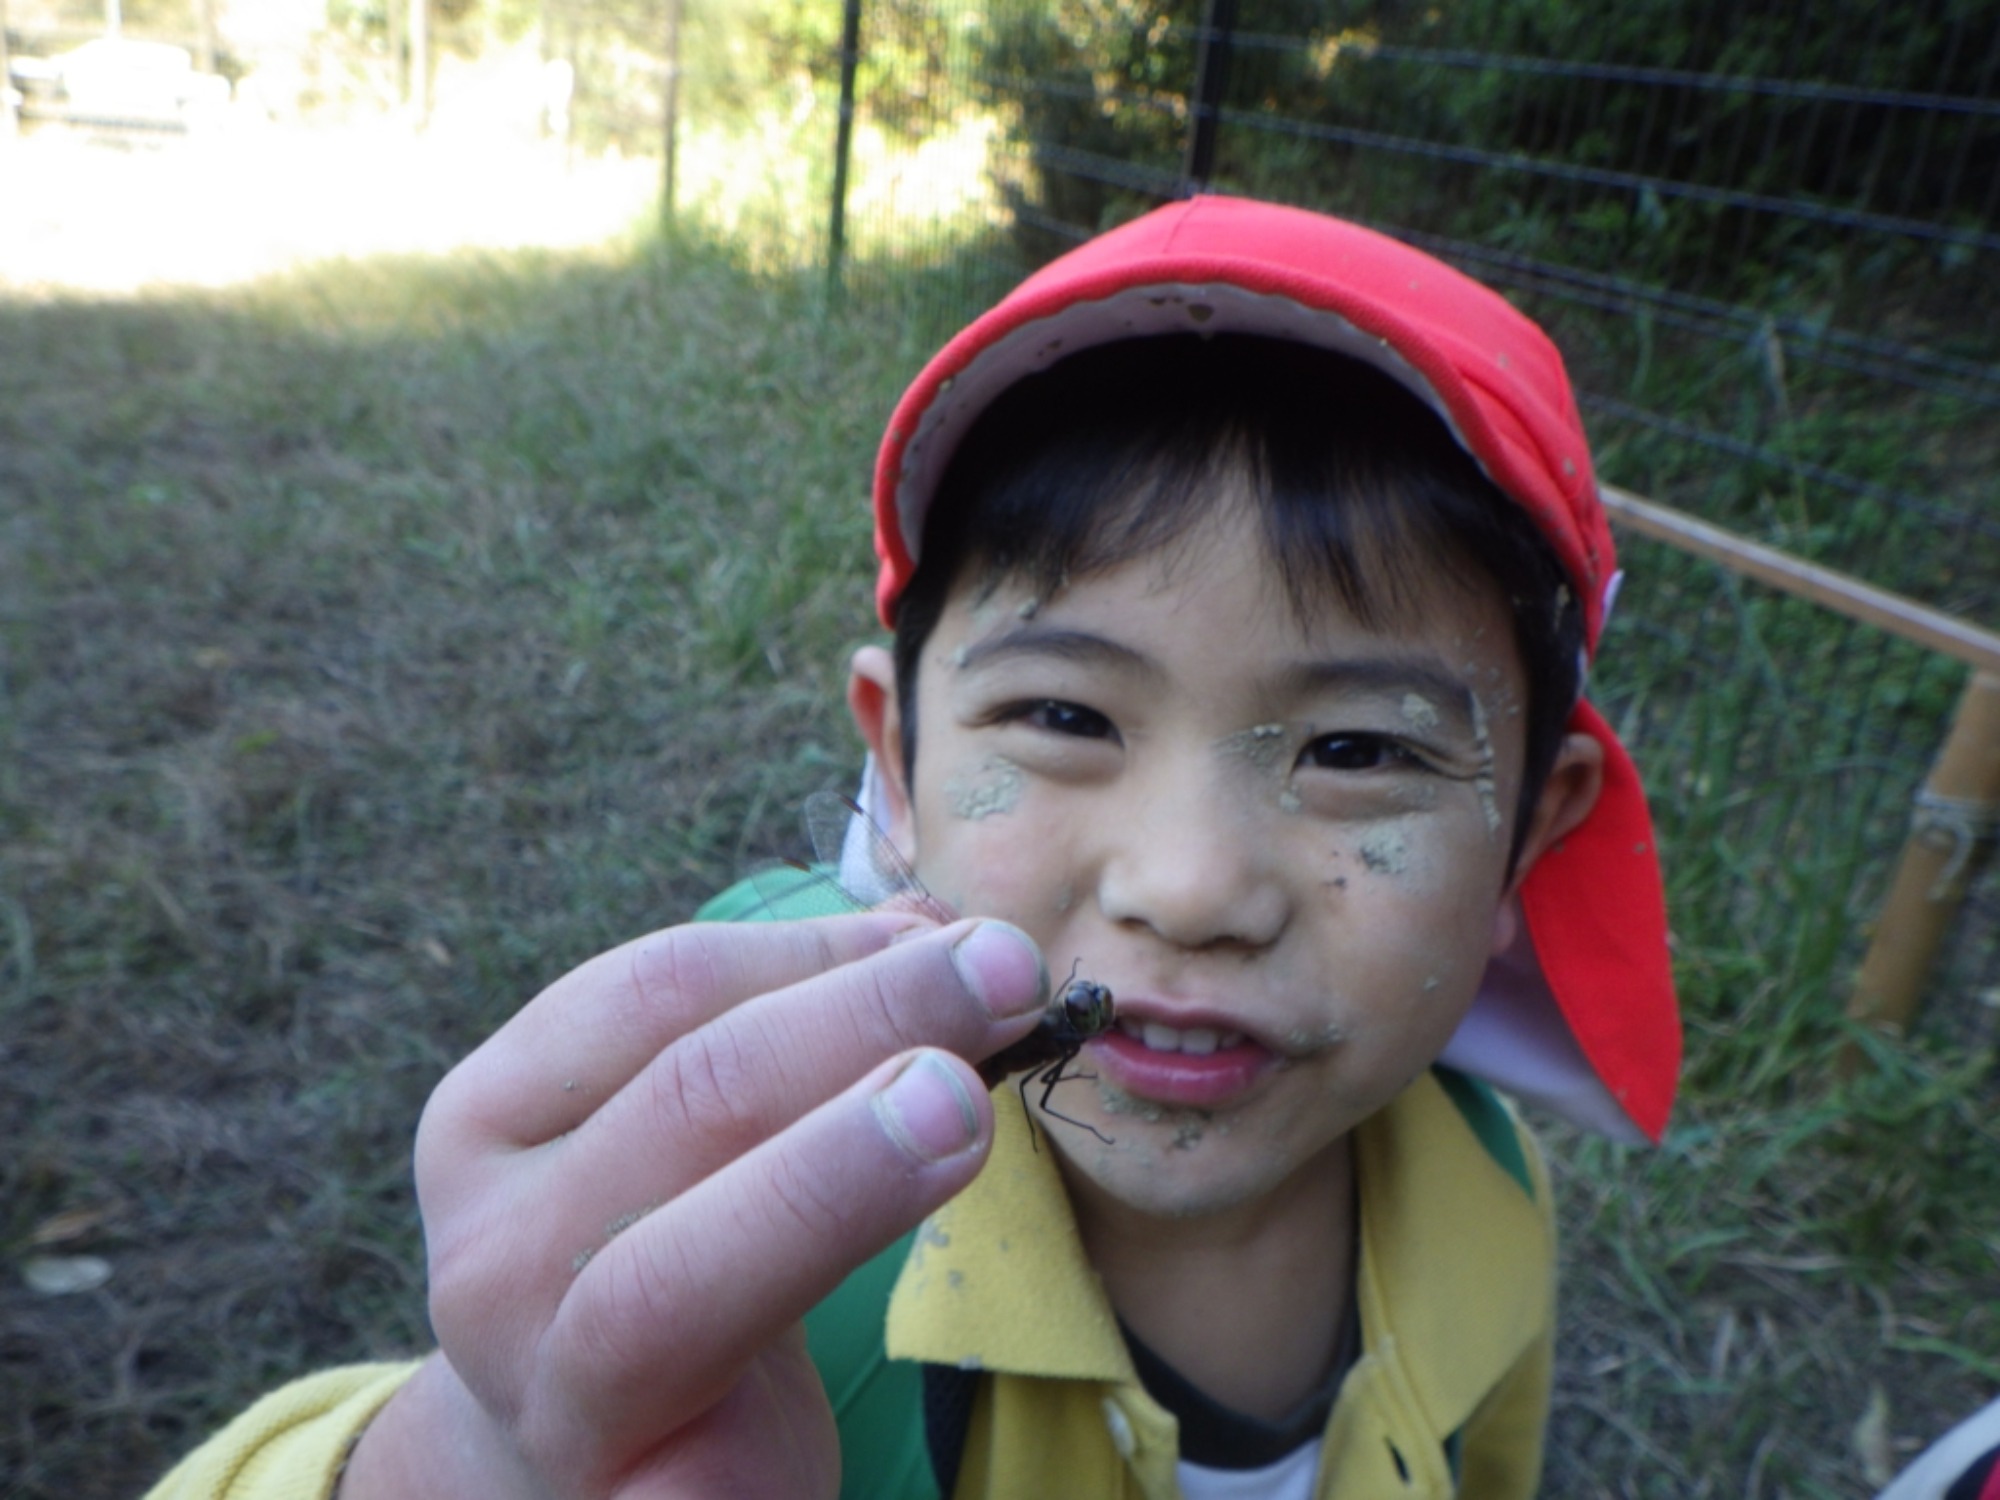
1448 1397
1456 1298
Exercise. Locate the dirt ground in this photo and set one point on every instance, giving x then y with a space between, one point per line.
116 213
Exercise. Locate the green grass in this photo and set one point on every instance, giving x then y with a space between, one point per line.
377 643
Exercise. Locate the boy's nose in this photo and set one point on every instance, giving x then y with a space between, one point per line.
1195 867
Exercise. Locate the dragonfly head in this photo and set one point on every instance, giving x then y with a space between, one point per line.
1087 1007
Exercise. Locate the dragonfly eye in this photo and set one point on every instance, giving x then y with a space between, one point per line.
1087 1005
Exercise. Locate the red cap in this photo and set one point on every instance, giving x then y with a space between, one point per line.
1582 1017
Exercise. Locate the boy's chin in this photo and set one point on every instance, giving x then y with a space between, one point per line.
1170 1163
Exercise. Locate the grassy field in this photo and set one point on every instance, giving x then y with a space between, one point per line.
378 641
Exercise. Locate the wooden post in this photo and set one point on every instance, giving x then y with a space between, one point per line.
1952 829
670 105
8 119
1957 814
420 62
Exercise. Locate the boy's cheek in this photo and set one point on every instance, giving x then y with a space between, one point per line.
1437 855
991 789
1029 874
987 888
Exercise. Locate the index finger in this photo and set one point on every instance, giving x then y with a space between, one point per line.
600 1024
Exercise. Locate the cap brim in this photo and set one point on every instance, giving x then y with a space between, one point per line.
1580 1017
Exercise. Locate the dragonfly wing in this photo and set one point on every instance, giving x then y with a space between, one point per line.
791 891
830 819
874 872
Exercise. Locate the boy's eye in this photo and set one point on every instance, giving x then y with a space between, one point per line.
1356 752
1057 717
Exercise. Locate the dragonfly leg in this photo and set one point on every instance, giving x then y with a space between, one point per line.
1049 1079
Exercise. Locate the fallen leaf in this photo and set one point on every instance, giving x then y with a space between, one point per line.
1871 1441
70 1224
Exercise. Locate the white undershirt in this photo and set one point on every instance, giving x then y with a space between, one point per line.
1290 1478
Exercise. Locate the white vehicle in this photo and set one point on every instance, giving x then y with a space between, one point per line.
118 82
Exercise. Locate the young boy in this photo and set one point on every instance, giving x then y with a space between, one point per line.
1243 566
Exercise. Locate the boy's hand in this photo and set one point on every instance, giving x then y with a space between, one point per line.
637 1187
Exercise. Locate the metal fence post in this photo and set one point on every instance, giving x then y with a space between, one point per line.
1952 831
1211 77
843 144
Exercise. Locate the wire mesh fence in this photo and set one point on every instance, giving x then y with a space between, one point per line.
1770 262
1766 241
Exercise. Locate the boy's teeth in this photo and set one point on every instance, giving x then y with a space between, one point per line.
1198 1041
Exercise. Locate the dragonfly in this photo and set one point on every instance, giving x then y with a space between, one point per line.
859 869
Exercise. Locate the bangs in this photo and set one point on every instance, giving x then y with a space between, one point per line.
1122 451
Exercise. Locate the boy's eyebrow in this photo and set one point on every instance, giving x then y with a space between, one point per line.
1441 689
1045 640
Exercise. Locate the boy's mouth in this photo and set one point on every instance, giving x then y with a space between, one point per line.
1197 1063
1197 1041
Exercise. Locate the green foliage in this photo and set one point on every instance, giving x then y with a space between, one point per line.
145 17
1430 88
462 26
1094 94
748 62
903 52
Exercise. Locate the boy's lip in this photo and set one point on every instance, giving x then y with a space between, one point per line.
1192 1056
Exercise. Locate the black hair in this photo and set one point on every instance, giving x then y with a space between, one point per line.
1362 492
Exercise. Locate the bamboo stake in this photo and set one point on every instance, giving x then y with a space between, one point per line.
1951 837
1942 633
1956 817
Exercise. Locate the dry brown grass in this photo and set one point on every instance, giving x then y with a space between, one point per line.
359 677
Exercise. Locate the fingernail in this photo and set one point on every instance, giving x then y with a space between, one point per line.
926 1110
1001 966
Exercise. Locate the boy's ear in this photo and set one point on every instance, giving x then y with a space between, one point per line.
878 714
1566 800
1567 797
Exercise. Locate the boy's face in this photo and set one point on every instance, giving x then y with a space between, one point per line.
1282 844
